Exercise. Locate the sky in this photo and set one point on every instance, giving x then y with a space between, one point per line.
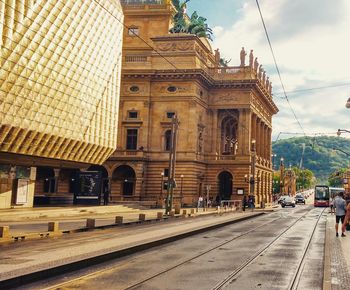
311 43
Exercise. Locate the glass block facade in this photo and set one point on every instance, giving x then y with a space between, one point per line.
60 78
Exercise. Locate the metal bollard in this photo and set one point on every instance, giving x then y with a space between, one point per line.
118 220
90 223
159 215
184 212
177 209
192 211
53 227
142 217
5 232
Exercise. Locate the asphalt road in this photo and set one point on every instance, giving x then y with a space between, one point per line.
282 250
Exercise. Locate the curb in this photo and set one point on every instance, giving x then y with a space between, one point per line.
327 275
90 261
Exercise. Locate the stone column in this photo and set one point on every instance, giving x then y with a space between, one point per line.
57 174
214 133
244 131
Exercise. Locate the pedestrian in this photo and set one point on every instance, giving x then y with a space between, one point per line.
331 204
200 202
244 202
106 197
250 202
340 209
347 218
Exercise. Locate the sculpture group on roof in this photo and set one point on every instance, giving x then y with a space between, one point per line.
195 25
258 69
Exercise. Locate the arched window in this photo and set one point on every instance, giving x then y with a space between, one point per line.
167 140
228 135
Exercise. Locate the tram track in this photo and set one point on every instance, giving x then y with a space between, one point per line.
295 281
139 283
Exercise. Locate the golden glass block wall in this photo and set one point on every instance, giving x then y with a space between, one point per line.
60 78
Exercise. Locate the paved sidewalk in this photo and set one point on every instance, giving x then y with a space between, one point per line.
30 259
339 251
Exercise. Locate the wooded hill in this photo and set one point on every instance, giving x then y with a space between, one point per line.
319 156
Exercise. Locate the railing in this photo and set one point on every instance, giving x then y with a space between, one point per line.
138 2
135 58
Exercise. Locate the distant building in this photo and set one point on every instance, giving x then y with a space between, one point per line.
220 110
59 94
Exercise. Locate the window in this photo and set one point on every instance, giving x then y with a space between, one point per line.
170 115
50 185
132 114
133 31
167 140
131 139
172 89
134 89
166 172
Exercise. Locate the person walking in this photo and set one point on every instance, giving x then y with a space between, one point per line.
340 209
347 218
244 202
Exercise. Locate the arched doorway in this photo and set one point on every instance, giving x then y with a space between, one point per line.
225 185
125 178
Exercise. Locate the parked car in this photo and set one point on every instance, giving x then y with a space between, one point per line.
299 199
288 201
282 197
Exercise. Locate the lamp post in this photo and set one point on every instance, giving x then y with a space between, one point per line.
347 154
273 156
161 189
348 103
281 175
181 195
172 162
251 178
342 131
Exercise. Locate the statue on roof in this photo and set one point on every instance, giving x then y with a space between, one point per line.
270 88
267 83
243 55
217 57
260 71
193 25
256 65
251 58
264 77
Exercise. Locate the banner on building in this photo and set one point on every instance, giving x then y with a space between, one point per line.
88 185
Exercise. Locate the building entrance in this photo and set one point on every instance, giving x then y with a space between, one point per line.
225 185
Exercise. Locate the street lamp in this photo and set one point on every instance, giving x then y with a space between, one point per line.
347 154
348 103
281 175
273 156
181 195
342 131
161 188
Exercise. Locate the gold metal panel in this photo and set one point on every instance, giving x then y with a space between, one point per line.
60 77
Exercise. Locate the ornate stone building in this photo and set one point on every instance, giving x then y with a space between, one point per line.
59 93
221 110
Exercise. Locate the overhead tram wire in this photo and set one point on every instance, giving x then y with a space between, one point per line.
278 71
313 89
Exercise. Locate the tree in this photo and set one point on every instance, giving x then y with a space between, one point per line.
335 179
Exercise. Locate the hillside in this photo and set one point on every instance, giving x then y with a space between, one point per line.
319 155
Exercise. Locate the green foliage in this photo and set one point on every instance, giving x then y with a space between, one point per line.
335 179
304 178
196 25
319 156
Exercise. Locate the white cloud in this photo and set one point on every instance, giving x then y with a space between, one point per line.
311 45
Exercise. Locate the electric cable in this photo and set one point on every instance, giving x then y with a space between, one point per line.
277 69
